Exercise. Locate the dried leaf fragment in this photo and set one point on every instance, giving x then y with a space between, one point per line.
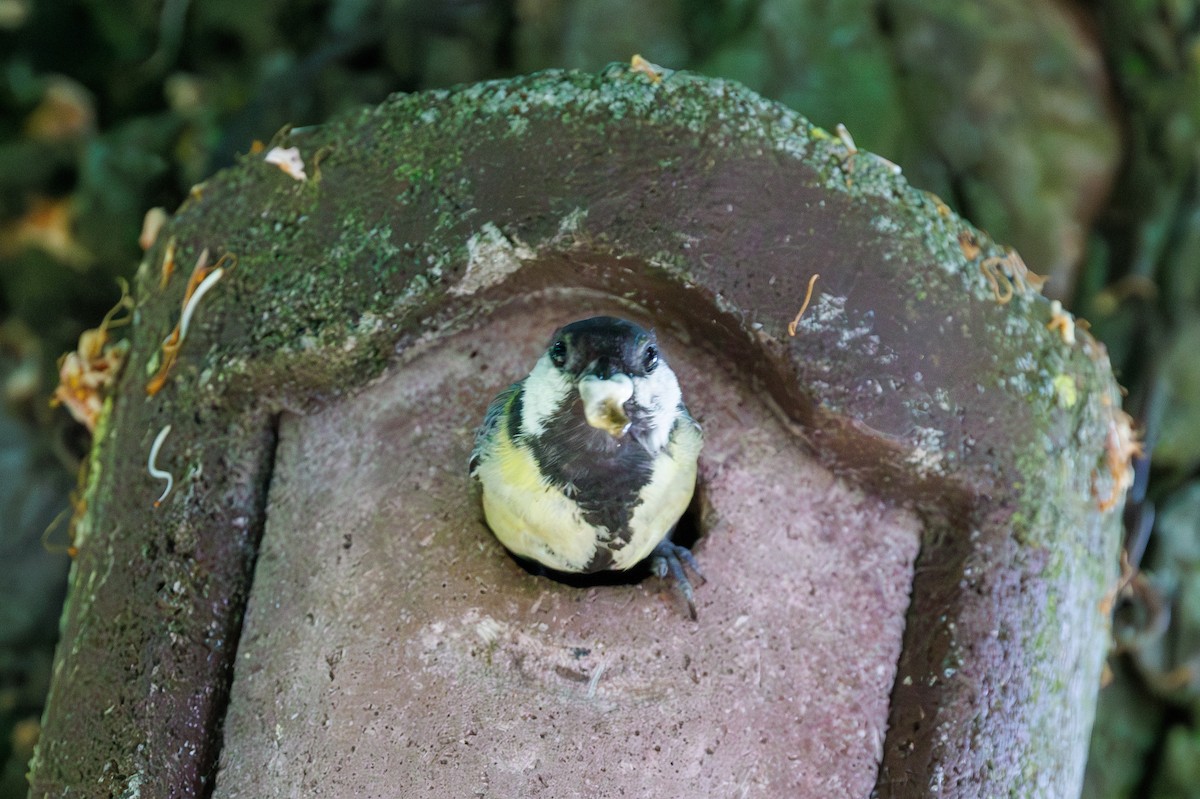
1121 446
288 159
86 375
653 71
1061 321
168 264
152 223
49 226
967 243
66 112
843 134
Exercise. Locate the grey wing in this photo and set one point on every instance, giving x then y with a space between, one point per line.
491 422
685 416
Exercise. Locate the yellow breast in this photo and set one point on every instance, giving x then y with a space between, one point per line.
536 520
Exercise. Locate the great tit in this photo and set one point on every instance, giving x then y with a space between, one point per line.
588 463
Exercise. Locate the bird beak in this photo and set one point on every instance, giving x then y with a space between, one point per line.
604 402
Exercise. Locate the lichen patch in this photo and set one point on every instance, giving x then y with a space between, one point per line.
491 257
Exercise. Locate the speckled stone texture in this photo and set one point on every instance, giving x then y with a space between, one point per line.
392 649
919 408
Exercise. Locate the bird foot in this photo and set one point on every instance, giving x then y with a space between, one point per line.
670 558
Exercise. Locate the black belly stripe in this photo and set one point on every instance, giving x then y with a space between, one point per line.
603 475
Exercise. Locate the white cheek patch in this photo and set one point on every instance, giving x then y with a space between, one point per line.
659 393
545 390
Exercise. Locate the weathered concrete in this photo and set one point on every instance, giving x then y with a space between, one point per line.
690 202
380 600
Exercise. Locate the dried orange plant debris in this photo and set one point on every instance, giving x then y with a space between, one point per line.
1121 446
1061 321
1127 576
48 225
967 242
66 112
653 71
86 374
1007 273
812 281
203 278
152 224
168 264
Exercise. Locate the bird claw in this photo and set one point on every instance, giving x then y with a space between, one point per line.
670 558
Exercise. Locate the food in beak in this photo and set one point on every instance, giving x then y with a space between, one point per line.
604 402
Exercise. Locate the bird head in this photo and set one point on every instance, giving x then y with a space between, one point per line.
613 369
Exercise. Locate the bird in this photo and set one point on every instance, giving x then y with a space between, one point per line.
588 463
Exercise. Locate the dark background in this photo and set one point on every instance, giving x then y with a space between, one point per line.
1066 129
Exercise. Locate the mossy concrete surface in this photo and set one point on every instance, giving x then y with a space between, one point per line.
697 204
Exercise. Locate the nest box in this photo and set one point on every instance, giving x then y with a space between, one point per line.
906 505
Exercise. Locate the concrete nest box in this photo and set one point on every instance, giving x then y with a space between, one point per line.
906 510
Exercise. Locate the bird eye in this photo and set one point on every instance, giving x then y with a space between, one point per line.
558 353
650 359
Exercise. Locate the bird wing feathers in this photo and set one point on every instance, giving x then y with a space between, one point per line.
491 420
